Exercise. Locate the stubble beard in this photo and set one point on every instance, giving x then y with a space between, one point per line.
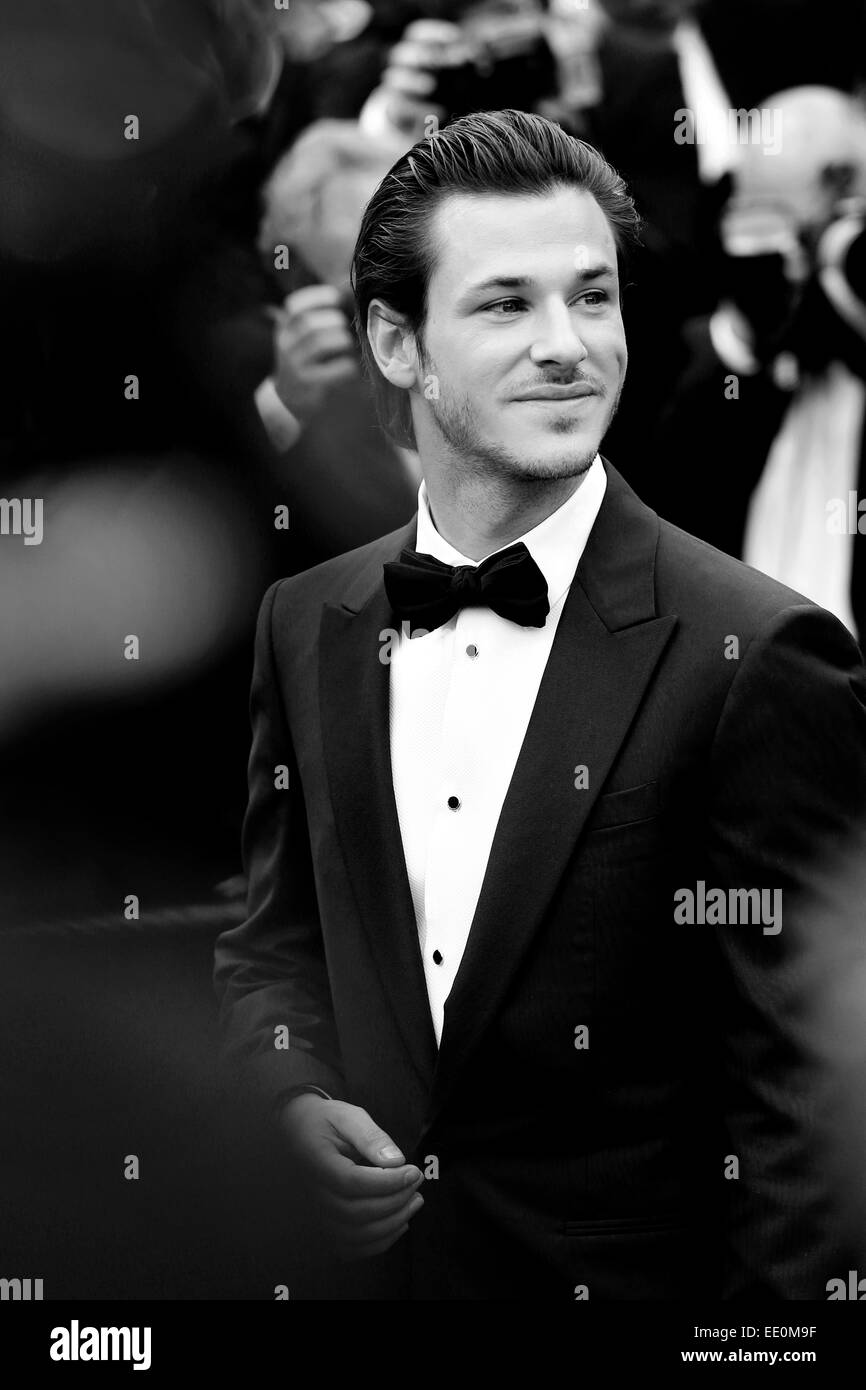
455 421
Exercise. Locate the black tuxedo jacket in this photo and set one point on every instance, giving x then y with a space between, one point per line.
720 718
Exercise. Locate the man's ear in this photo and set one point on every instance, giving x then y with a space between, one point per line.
393 344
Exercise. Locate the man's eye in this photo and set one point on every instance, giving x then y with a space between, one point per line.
592 298
597 297
504 305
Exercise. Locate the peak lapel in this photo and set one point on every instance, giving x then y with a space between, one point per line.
606 648
354 700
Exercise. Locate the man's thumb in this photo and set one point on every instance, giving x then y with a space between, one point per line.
371 1142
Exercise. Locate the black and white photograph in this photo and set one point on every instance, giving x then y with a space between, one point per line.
432 709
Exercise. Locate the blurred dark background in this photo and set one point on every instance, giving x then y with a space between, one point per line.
182 181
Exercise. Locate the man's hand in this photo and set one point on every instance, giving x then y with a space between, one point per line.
427 46
315 348
404 100
368 1192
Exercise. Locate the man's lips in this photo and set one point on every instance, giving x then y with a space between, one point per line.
554 392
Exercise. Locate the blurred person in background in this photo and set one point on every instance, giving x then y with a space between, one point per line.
657 60
349 482
776 381
620 73
467 55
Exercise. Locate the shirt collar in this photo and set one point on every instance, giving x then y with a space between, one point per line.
555 544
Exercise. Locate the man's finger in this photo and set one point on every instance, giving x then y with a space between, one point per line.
409 82
345 1178
353 1235
341 368
306 325
363 1210
433 31
299 360
412 55
311 297
327 342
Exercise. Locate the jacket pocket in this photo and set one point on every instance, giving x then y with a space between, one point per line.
625 807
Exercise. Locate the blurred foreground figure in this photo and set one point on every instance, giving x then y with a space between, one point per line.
120 126
119 132
537 784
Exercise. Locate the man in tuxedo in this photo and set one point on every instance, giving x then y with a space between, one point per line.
503 760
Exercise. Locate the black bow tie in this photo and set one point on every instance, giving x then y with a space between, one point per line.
427 592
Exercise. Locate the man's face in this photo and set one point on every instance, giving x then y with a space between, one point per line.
524 350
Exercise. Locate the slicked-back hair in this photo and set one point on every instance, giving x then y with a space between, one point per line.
493 152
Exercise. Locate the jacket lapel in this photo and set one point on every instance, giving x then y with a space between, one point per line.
606 649
354 691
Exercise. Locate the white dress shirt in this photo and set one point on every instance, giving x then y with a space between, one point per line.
461 700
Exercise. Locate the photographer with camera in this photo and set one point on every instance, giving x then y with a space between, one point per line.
776 375
476 56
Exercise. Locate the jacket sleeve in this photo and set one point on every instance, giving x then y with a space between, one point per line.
270 972
787 784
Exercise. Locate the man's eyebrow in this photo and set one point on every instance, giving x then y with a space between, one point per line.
497 282
602 270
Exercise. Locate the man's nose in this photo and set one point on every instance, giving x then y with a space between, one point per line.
557 339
